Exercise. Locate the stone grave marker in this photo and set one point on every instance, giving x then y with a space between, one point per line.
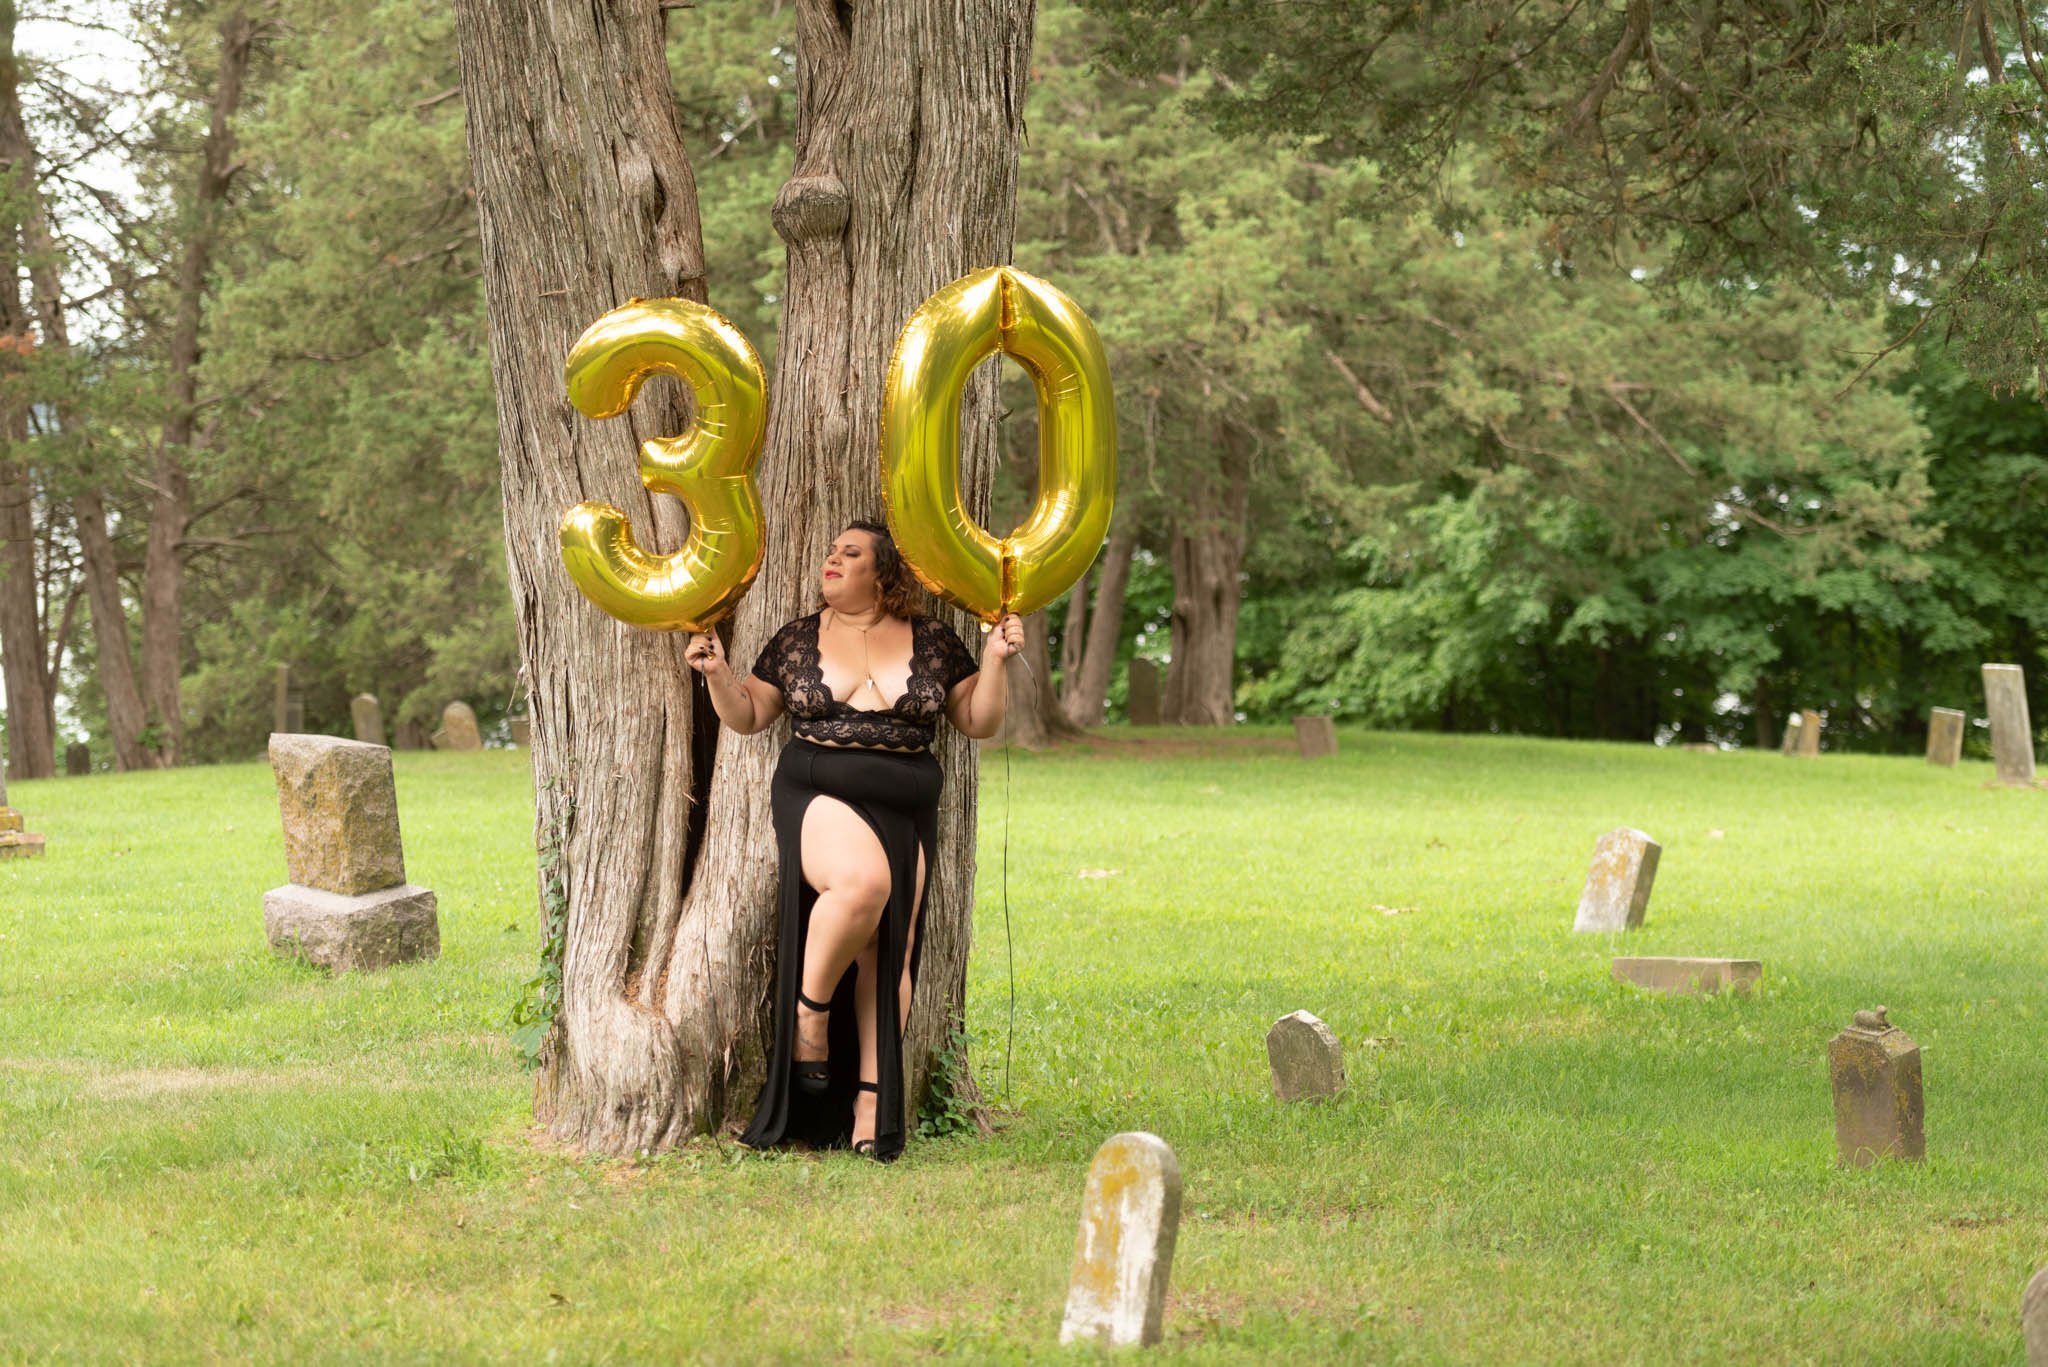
1809 735
2012 735
458 729
288 702
1618 882
1142 680
1316 736
77 759
1879 1111
1944 737
408 735
1123 1253
1793 725
1687 977
1307 1060
348 905
15 843
2034 1319
522 731
368 718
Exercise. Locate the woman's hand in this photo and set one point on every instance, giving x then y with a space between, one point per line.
1005 639
706 654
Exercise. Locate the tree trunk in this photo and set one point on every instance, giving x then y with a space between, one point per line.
904 179
1088 686
1205 549
1033 718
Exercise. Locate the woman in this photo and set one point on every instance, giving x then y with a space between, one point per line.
856 804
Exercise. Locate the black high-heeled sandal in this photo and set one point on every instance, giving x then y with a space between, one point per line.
812 1077
866 1147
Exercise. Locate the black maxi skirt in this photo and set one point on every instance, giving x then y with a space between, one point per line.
898 796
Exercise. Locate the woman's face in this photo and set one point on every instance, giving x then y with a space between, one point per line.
849 577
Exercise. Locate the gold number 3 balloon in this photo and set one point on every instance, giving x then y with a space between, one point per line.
950 334
710 468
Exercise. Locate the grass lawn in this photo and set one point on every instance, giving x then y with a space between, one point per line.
211 1153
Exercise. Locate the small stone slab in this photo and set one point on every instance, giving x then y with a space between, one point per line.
1618 882
2034 1319
408 735
288 702
1123 1255
458 729
1809 736
77 759
344 934
1685 977
340 811
10 820
1879 1109
20 845
367 717
1141 680
1945 737
522 732
1316 736
1307 1060
2012 734
1793 725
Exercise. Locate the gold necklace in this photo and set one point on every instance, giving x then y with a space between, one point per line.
866 668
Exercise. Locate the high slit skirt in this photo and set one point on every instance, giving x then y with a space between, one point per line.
898 796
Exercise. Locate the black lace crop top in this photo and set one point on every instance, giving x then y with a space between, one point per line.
938 661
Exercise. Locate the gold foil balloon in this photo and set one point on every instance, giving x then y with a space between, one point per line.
1000 309
710 468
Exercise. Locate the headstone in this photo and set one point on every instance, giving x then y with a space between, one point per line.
77 759
1123 1254
1307 1060
348 905
1944 737
522 731
368 718
288 702
1793 725
2034 1319
1879 1111
1682 977
1317 736
1142 679
409 735
15 843
1809 735
1618 882
458 729
2012 735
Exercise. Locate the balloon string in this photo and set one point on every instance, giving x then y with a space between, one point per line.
1009 945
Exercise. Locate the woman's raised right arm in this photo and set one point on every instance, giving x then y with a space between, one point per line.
745 704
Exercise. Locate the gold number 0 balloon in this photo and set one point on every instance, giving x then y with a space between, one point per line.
710 468
950 334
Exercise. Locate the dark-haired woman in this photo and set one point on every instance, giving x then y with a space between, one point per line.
865 680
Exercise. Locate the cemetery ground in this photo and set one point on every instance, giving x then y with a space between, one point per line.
215 1153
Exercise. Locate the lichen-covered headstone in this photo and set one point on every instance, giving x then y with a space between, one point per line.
1142 696
1316 736
15 843
2012 735
2034 1319
1944 737
458 729
1879 1111
1307 1060
348 905
1123 1254
1687 977
1618 882
368 718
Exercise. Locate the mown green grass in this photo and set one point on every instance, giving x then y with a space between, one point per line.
210 1153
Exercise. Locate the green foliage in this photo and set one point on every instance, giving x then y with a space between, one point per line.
946 1111
540 997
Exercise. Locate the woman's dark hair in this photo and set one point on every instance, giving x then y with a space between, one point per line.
896 588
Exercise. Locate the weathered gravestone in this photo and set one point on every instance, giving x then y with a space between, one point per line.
1618 881
1306 1059
2034 1319
1875 1069
287 702
348 905
1686 977
368 718
2012 735
1142 681
1123 1253
1944 737
77 759
1809 735
15 843
1316 736
458 729
409 735
521 727
1794 724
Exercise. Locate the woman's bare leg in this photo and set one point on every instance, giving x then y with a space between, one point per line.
867 961
844 861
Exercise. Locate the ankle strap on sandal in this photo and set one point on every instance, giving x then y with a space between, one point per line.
802 1000
865 1086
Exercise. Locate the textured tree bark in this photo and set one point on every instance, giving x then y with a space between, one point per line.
1089 693
1204 551
905 178
1074 633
